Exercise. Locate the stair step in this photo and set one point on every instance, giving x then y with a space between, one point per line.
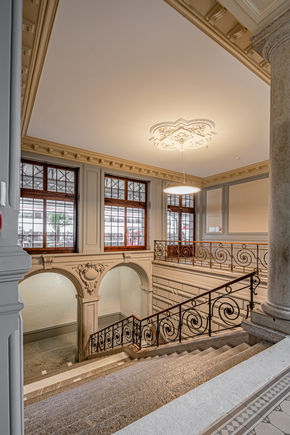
126 395
107 404
144 407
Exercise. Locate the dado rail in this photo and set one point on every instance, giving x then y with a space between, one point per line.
232 256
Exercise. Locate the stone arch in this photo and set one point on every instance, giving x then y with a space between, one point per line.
79 296
139 269
67 273
143 272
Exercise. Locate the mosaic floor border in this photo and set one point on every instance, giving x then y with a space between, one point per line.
243 419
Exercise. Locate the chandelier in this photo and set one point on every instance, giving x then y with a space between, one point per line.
182 135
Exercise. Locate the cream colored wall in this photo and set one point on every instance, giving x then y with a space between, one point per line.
49 300
132 299
109 293
214 210
248 206
120 292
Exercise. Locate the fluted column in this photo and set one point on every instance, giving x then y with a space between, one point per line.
14 262
273 43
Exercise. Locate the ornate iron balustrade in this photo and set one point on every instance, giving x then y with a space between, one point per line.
219 309
232 256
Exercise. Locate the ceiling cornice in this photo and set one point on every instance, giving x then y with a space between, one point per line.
220 25
53 149
38 19
252 170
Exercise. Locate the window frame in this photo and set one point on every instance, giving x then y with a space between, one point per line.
180 209
56 196
127 204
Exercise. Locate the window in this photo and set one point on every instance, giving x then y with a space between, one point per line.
180 218
125 214
47 218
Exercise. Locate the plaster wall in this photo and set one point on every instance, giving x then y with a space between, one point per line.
240 209
49 300
248 206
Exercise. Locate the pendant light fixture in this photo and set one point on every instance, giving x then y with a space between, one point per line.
181 189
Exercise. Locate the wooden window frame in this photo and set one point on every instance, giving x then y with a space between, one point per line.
50 195
180 209
128 204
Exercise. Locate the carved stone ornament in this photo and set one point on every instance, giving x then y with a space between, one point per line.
47 262
182 135
89 273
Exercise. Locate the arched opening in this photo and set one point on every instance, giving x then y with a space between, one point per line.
121 294
50 324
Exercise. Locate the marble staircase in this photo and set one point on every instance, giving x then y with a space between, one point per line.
116 399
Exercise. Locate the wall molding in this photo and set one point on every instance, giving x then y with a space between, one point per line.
38 19
220 25
53 149
252 170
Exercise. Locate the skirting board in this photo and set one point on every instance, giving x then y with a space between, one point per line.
52 331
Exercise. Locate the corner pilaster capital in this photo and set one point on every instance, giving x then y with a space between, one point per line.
266 40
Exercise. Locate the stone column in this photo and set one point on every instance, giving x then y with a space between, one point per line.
273 43
14 262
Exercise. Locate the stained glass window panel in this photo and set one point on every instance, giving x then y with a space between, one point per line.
31 176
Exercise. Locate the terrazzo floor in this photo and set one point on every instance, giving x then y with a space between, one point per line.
44 357
265 413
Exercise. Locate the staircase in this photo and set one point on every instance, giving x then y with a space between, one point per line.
111 402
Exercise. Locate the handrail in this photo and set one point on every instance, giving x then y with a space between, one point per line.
212 241
203 313
239 257
248 275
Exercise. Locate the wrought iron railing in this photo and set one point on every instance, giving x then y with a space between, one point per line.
224 307
239 257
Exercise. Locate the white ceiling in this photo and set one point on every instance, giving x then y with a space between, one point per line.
115 68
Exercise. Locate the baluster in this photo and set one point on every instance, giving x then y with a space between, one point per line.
112 336
157 331
251 293
210 255
122 333
257 259
166 250
232 256
133 330
209 314
180 325
105 339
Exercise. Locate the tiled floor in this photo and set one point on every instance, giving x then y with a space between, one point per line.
265 413
45 357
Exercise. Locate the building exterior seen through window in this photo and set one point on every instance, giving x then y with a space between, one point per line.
47 217
180 218
125 213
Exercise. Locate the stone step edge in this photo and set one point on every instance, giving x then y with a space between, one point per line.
73 375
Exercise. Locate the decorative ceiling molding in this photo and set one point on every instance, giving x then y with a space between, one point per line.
38 19
237 174
53 149
182 135
220 25
74 154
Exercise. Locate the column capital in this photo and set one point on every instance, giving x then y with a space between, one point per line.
266 40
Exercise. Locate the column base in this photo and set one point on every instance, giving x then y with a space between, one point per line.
262 318
278 312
